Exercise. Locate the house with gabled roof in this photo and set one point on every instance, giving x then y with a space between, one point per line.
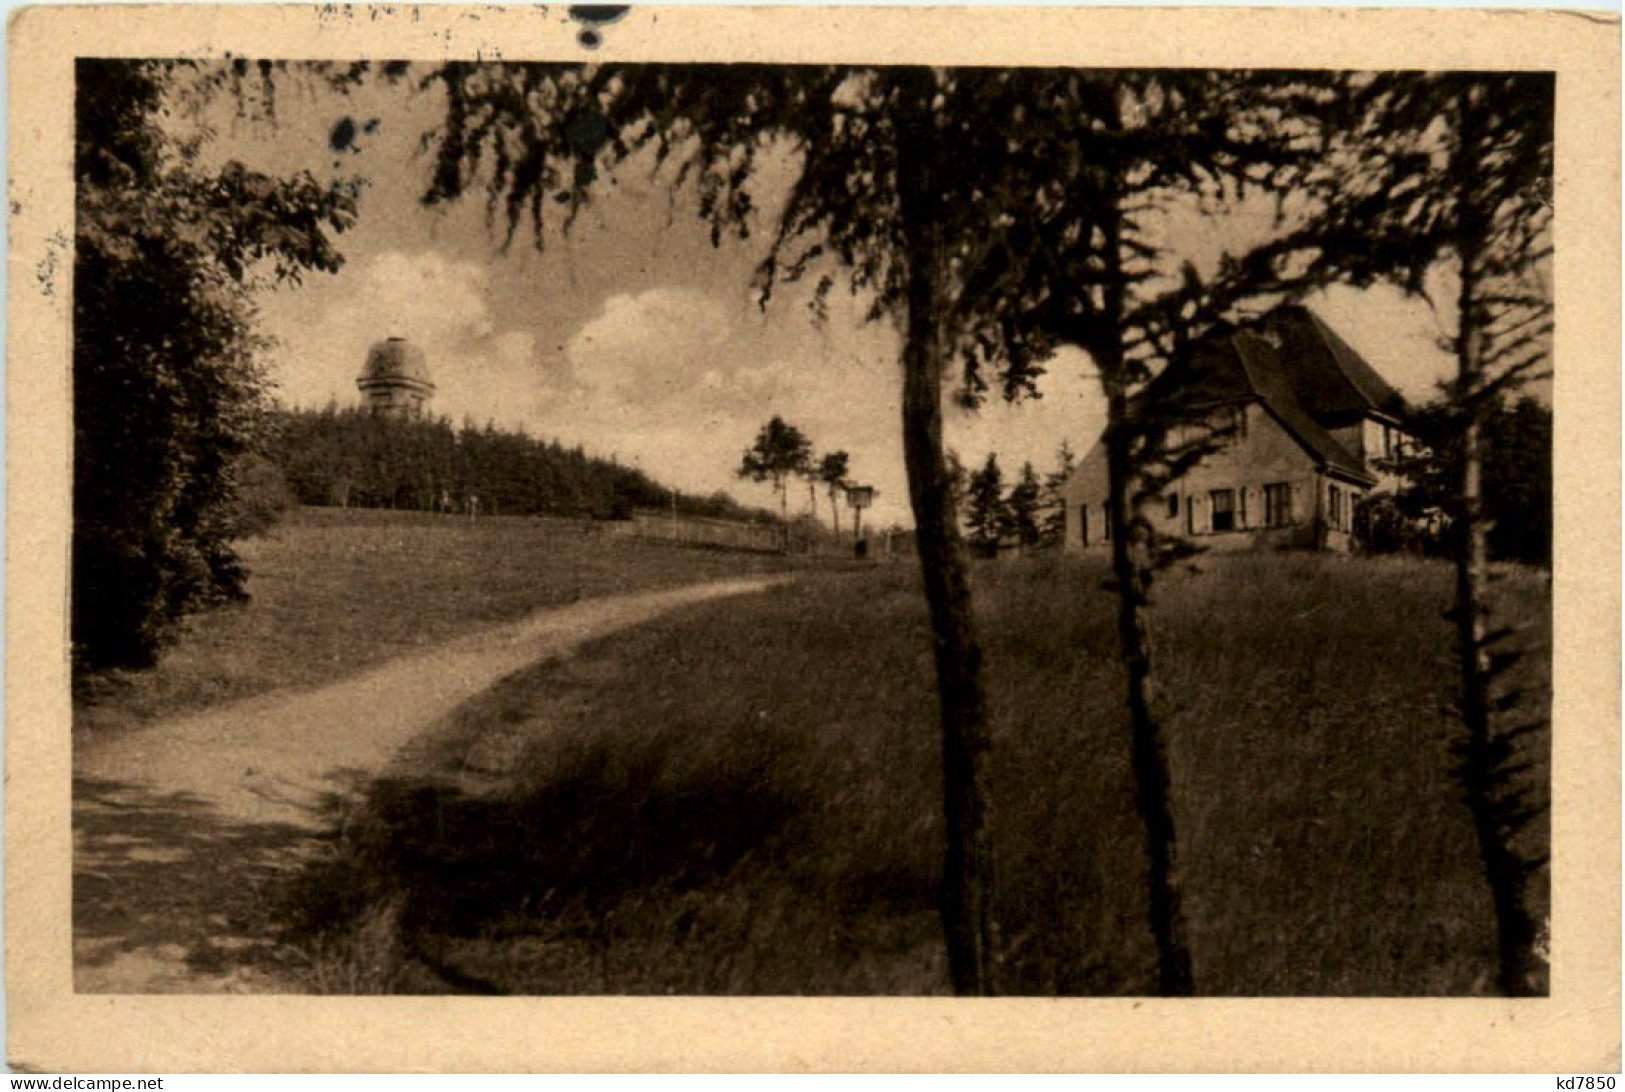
1302 424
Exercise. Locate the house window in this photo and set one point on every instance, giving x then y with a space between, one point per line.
1277 504
1173 506
1387 442
1229 423
1224 509
1334 507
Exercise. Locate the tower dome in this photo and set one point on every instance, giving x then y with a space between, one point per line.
395 380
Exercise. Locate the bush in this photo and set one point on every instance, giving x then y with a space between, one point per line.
262 496
1381 526
167 393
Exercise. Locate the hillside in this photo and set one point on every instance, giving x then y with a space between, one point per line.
760 813
351 458
331 592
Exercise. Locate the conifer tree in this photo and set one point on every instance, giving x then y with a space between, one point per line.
1021 507
833 470
780 451
1053 527
986 515
894 169
1086 261
1452 172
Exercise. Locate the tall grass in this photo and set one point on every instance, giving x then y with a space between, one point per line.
333 591
745 799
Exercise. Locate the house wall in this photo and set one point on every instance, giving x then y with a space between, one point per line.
1336 516
1263 454
1085 488
1365 439
1357 440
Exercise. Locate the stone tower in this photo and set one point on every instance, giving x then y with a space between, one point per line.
395 380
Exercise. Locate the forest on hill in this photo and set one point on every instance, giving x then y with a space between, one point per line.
351 458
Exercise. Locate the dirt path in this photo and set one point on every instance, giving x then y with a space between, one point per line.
181 829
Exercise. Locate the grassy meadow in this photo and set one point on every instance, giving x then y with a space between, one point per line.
333 591
744 798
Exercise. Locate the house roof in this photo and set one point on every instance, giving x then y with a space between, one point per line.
1272 383
1326 373
1306 376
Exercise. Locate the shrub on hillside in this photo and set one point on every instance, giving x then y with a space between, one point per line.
1517 480
1383 526
262 496
167 390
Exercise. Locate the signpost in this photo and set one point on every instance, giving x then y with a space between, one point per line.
859 497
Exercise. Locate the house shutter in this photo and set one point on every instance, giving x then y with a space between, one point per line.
1291 503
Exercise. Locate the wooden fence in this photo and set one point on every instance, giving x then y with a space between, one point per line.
697 531
652 525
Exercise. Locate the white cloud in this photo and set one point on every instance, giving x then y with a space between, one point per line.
647 345
441 304
514 347
424 297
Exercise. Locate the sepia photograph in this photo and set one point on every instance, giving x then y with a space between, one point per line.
640 527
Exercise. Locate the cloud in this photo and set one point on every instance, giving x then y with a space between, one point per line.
644 346
440 303
515 347
426 297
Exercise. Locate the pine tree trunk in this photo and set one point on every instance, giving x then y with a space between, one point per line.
1130 563
1149 756
784 516
967 890
1521 972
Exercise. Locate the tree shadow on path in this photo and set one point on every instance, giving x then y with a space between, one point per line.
170 895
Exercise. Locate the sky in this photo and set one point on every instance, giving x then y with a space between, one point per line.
637 338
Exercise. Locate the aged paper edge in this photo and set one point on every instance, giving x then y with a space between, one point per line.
1575 1029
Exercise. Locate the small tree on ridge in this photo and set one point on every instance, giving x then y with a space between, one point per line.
833 470
779 451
